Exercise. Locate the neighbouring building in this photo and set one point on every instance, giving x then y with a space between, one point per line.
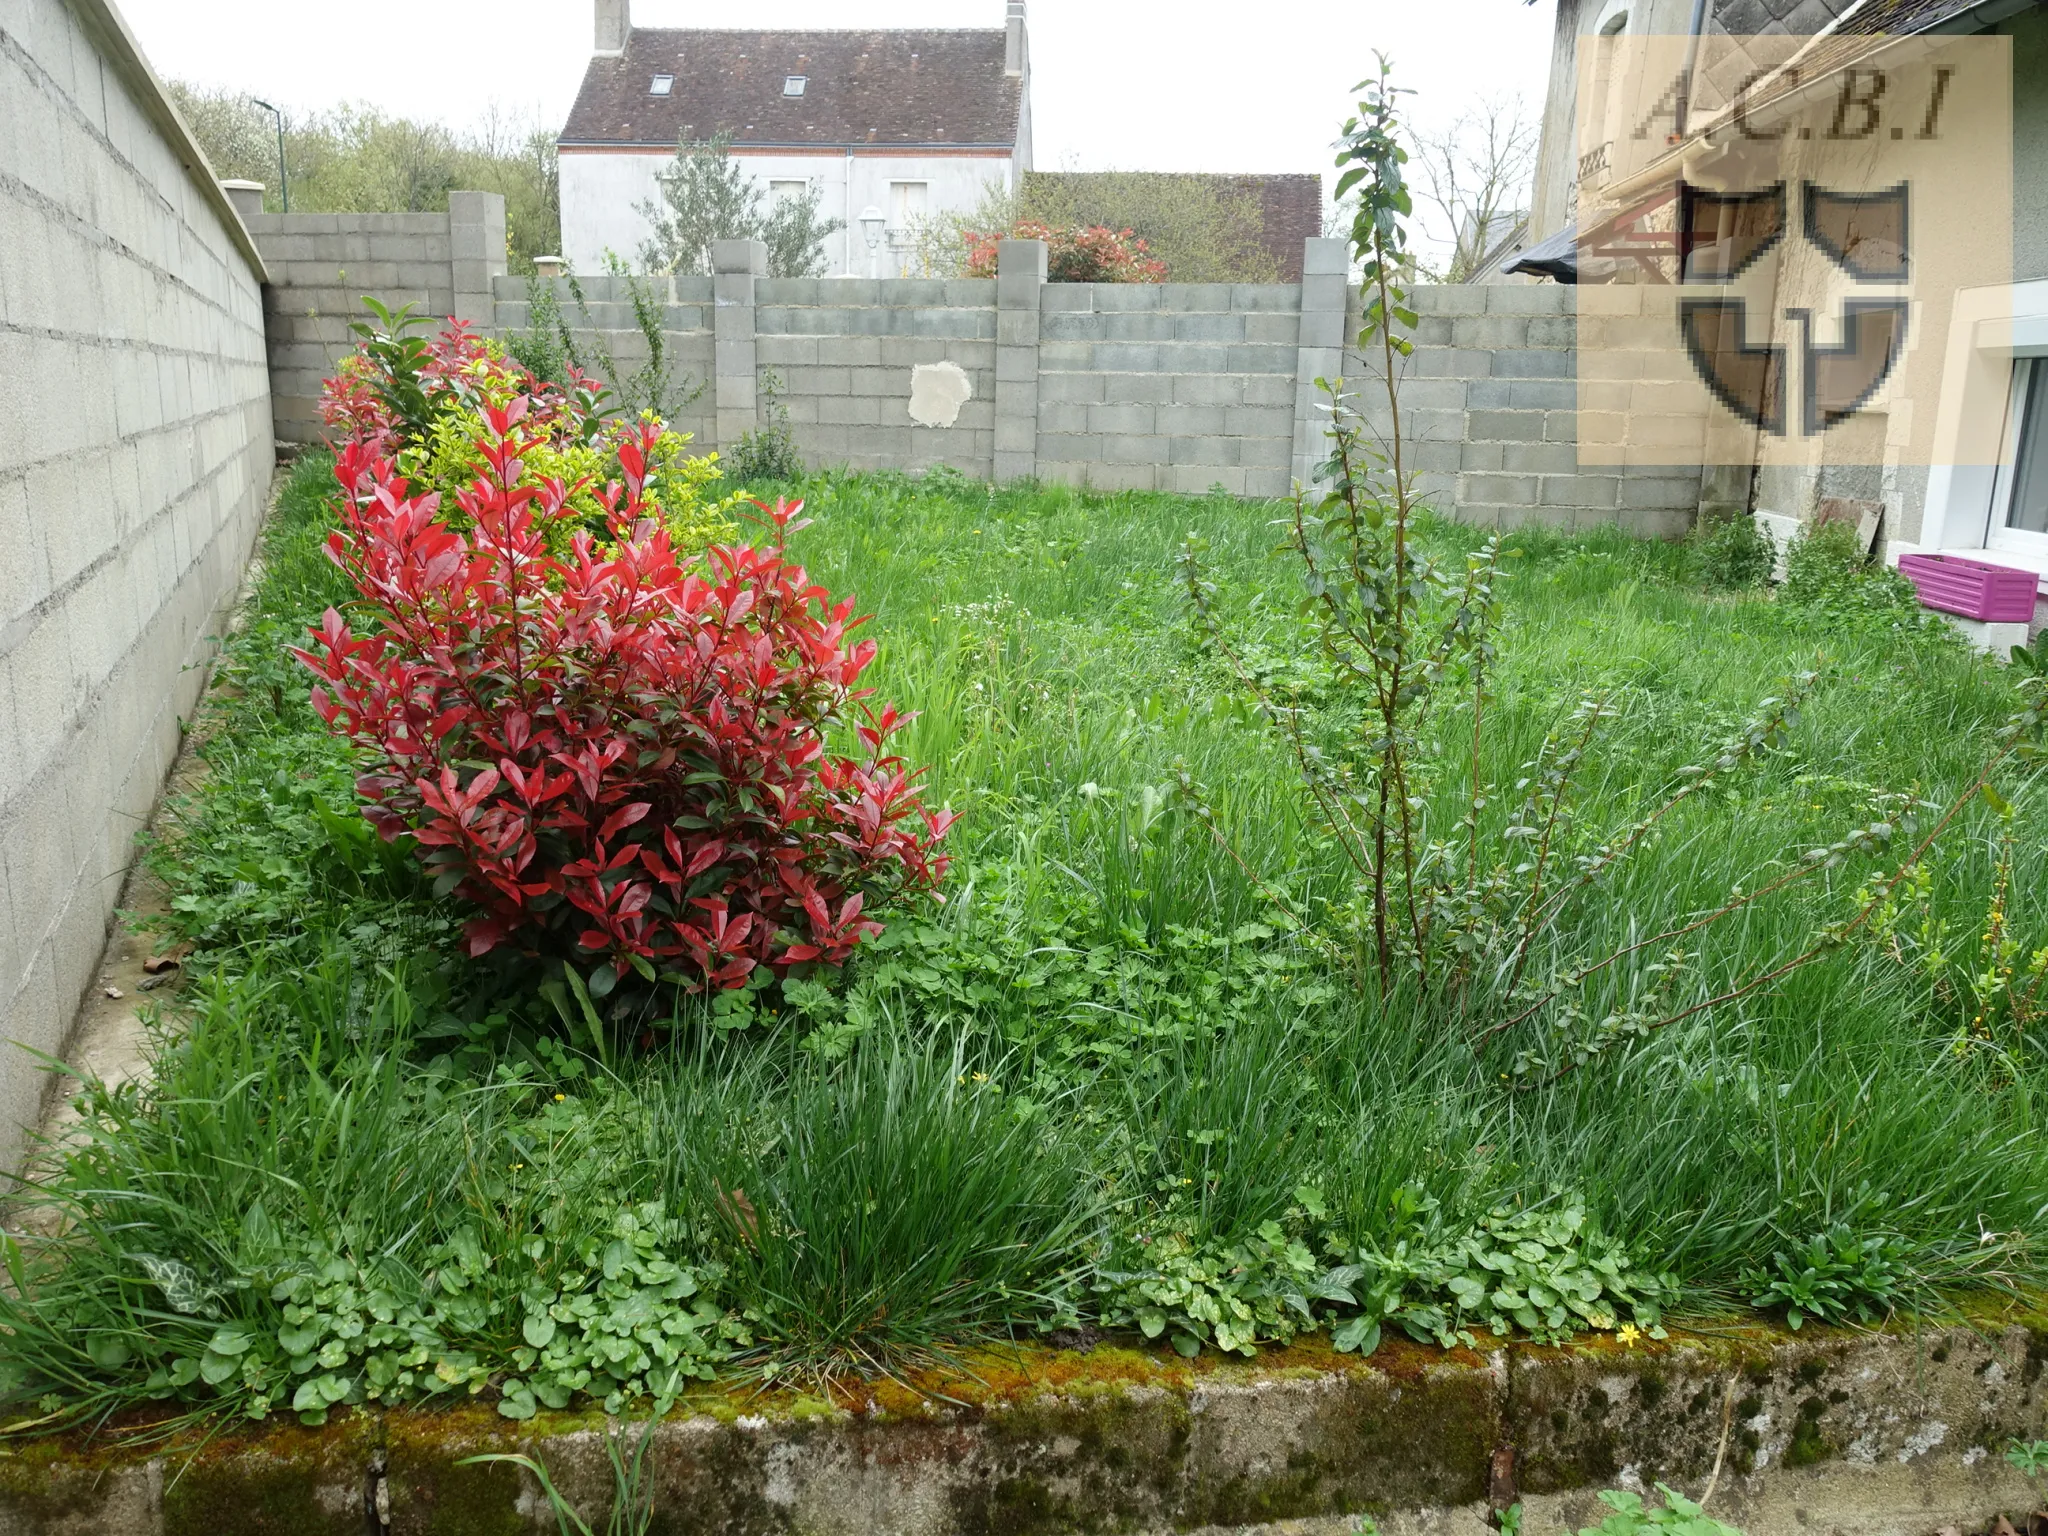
910 123
1951 502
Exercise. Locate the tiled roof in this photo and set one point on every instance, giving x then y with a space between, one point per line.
1751 18
1293 206
1901 17
1802 17
872 87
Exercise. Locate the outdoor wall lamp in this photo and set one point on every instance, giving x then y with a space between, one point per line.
871 221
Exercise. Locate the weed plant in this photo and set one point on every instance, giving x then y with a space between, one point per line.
769 451
1732 553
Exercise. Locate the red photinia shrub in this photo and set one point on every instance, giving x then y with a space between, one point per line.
386 390
1097 254
612 755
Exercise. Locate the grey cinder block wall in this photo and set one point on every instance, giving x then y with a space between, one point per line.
1172 387
135 454
1489 416
322 264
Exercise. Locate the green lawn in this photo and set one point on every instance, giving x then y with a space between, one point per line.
1103 1083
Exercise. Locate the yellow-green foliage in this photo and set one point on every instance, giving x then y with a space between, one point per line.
681 487
684 487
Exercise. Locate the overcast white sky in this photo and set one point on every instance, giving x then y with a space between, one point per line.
1252 85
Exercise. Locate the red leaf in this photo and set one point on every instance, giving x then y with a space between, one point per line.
624 816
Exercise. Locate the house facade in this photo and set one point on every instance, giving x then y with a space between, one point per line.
1992 340
907 124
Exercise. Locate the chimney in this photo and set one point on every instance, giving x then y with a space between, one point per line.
1015 56
614 26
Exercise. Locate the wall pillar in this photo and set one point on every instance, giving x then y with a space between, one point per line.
735 265
1325 290
1020 284
476 246
247 196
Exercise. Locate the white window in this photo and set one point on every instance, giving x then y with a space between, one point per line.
793 85
906 205
2020 500
906 212
782 191
661 85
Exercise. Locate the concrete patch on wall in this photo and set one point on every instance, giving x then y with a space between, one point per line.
937 391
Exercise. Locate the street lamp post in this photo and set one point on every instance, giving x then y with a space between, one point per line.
871 221
284 187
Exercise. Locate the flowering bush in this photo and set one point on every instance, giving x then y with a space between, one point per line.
421 400
1097 254
615 756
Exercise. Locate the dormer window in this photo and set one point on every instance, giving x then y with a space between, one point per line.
793 85
661 85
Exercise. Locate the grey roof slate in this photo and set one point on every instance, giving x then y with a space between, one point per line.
861 87
1804 17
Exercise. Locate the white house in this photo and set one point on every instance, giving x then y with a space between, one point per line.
907 123
1982 490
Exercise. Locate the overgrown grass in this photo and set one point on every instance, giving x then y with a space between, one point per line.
1109 1024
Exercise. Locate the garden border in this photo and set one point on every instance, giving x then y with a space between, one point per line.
1879 1433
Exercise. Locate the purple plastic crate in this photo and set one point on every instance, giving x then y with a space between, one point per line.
1976 589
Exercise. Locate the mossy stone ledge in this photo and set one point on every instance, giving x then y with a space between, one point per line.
1892 1433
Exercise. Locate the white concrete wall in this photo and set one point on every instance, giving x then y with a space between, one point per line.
2029 32
601 191
1554 197
135 453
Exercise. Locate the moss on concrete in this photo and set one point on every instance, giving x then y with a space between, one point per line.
258 1483
1029 1442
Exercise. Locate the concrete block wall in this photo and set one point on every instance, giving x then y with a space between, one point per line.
1489 415
604 322
135 456
322 264
844 349
1021 267
736 265
1169 387
1172 387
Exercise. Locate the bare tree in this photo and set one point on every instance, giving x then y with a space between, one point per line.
1477 173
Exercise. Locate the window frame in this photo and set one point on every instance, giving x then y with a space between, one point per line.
2028 375
924 183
